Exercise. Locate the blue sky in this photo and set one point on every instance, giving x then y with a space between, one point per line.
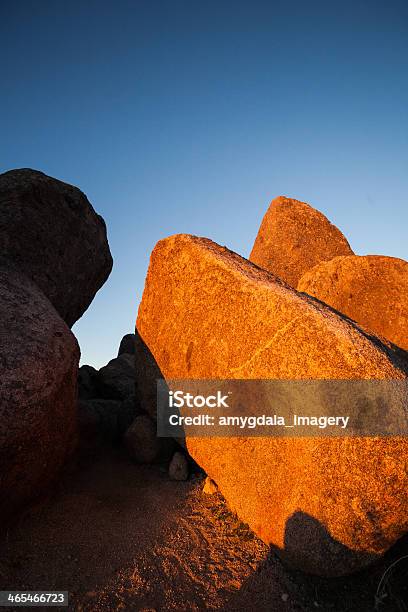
191 116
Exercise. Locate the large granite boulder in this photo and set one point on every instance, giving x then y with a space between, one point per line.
50 231
38 405
294 237
370 289
330 505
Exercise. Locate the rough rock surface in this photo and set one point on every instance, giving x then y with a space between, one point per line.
331 506
116 380
50 231
370 289
142 442
38 385
294 237
127 345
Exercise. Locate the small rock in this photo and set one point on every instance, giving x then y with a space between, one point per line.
178 468
209 486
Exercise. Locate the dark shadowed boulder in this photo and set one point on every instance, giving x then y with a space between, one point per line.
104 421
293 238
38 390
116 380
87 382
142 442
147 373
127 345
98 419
50 231
129 409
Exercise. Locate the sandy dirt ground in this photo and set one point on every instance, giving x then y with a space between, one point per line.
120 536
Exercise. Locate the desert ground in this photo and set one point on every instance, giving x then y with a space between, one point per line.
121 536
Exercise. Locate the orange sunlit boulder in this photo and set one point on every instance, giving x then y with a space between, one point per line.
370 289
330 505
294 237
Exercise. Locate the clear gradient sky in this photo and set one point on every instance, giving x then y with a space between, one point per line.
190 116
